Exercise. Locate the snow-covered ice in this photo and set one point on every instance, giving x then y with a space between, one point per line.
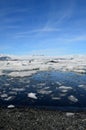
26 66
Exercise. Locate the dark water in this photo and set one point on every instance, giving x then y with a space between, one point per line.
53 90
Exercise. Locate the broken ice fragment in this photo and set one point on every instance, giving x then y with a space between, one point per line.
69 114
32 95
4 95
10 106
65 87
73 98
56 98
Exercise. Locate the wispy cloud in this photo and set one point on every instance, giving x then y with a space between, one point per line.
65 12
5 11
36 32
40 30
73 39
46 29
4 47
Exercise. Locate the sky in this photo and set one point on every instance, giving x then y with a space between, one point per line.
43 27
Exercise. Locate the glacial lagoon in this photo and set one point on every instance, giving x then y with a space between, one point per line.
47 89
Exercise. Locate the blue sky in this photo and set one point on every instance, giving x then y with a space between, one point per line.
49 27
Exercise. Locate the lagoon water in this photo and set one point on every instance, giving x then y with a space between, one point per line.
50 89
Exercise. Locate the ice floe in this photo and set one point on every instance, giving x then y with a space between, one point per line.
18 89
68 114
62 94
9 98
32 95
72 98
22 73
56 98
4 95
10 106
65 88
58 83
82 86
43 91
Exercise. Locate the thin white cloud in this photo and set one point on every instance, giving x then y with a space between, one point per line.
4 47
36 32
50 25
52 21
74 39
78 38
56 16
46 29
4 12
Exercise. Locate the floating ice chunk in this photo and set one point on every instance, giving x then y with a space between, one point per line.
42 91
82 86
65 87
32 95
56 98
82 71
73 98
9 98
18 89
10 106
64 90
42 84
46 88
22 73
69 114
28 81
7 84
27 86
4 95
62 94
13 93
58 83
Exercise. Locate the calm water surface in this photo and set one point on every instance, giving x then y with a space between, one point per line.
53 89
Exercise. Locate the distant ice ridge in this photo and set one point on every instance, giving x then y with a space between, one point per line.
26 66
